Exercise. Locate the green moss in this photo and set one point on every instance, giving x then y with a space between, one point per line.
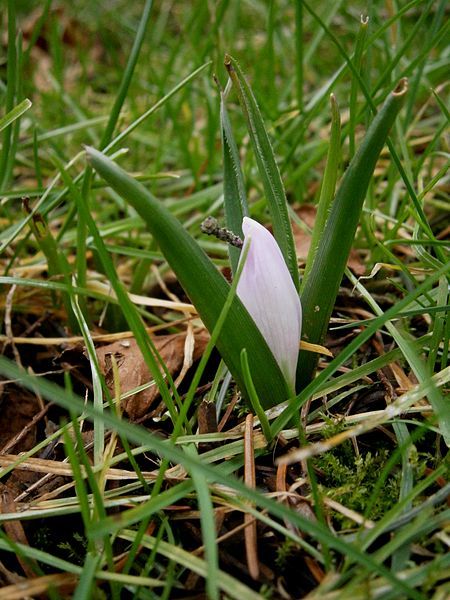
284 552
75 549
351 481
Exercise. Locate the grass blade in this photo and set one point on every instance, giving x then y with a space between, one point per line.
15 113
299 63
208 530
256 404
86 584
57 263
127 75
11 77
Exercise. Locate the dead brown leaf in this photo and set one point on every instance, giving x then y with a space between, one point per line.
302 238
14 529
133 371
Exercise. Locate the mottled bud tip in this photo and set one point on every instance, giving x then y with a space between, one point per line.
268 293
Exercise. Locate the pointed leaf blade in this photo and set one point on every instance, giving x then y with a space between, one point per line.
267 167
321 288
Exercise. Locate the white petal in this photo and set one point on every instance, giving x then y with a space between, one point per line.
268 293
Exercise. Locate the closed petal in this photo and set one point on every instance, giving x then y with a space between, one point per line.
268 293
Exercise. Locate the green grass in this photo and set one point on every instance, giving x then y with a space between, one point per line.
154 510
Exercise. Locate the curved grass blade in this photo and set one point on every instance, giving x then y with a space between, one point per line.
320 289
267 167
202 282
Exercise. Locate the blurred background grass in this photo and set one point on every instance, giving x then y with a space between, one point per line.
74 68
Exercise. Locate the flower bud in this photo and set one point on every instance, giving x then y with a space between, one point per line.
268 293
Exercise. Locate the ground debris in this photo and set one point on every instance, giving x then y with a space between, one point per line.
133 371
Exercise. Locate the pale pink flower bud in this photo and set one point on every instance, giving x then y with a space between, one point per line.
268 293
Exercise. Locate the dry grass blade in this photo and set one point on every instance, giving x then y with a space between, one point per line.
183 307
250 532
317 348
351 514
40 465
14 529
34 587
100 337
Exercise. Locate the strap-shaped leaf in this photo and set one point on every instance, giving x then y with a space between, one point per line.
322 285
267 167
234 196
204 285
328 185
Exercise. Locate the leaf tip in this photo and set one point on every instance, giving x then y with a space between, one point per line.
401 88
89 150
227 61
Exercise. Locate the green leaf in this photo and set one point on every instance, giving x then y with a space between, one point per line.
357 60
15 113
208 524
12 68
234 196
328 185
268 168
322 285
205 286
